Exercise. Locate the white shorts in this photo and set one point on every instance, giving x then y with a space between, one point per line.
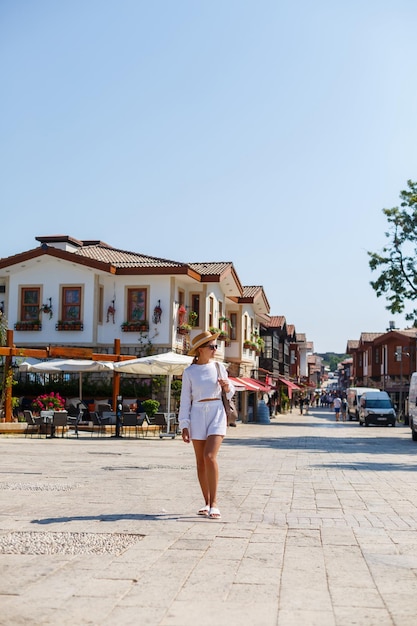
207 418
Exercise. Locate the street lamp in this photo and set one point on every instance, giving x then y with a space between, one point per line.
399 356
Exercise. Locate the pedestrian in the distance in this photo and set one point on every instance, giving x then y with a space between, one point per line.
337 403
343 409
202 418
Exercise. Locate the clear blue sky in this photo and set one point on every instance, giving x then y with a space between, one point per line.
267 133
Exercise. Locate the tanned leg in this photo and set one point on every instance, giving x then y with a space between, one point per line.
199 446
211 450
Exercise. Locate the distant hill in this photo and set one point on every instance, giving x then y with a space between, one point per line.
331 359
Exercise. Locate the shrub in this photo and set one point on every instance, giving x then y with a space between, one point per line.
150 407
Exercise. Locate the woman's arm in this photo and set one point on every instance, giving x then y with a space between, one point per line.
185 402
226 383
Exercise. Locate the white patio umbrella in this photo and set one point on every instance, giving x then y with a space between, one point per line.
167 364
67 365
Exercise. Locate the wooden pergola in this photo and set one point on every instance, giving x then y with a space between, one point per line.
52 352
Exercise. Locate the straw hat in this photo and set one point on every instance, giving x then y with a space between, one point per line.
200 340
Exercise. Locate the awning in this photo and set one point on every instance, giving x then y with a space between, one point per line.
289 384
254 385
239 384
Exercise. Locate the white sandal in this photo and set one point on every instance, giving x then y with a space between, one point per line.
204 511
214 513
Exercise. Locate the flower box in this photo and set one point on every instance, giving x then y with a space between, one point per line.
135 327
184 329
28 326
69 325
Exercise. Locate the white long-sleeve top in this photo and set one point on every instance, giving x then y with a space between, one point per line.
200 382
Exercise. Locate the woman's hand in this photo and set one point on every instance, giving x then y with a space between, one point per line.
224 384
185 435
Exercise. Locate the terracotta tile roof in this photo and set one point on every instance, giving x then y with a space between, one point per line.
211 268
409 332
301 337
251 292
367 337
122 258
277 321
352 344
290 329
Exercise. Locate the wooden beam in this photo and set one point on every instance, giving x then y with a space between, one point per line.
70 353
36 353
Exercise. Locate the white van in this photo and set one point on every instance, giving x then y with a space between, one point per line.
353 396
376 408
412 406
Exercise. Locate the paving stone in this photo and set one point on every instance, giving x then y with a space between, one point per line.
318 527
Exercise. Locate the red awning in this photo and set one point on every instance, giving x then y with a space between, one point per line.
254 385
289 384
239 384
248 384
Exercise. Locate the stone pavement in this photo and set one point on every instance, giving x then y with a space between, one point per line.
318 528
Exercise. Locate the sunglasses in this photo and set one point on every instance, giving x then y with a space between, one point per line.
212 347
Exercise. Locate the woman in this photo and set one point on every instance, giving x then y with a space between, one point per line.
202 417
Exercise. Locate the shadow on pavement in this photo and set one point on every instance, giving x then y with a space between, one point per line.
106 518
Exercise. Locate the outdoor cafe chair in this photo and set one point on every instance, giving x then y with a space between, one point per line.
142 423
160 421
130 420
100 422
59 420
33 424
73 422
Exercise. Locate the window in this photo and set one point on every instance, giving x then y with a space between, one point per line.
268 347
100 304
233 330
71 304
30 304
377 355
195 307
211 312
220 308
137 305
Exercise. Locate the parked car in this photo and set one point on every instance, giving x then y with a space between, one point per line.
412 406
376 408
353 396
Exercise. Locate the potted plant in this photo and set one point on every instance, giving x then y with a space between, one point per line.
69 325
28 325
141 326
260 344
15 408
184 329
48 402
150 407
47 308
226 321
192 318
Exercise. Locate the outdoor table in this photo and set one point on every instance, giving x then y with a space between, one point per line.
47 417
